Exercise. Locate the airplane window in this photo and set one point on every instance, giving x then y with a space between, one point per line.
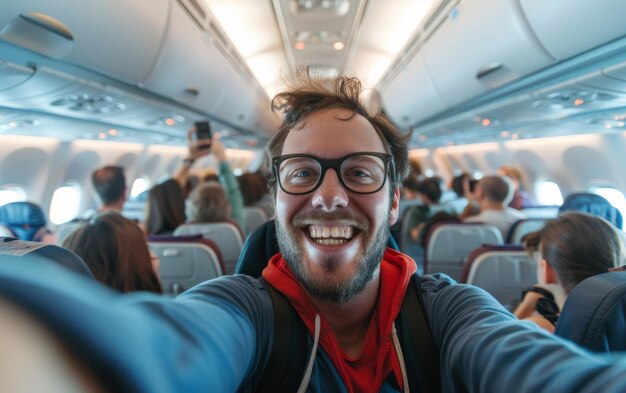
548 193
65 203
613 195
11 193
478 175
140 185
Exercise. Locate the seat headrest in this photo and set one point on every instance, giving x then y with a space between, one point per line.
594 314
23 218
592 204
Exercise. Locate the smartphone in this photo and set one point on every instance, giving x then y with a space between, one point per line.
203 132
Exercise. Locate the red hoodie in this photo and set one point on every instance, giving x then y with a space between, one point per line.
378 358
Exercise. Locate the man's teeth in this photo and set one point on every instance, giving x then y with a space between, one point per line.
331 236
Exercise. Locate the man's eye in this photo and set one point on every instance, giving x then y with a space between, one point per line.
302 173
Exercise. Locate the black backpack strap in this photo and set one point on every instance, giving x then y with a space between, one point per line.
287 362
421 356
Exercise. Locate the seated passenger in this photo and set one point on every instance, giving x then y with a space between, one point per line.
568 250
115 250
208 203
493 194
429 192
521 198
110 185
166 208
227 179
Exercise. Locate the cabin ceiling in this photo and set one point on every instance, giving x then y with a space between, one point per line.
331 37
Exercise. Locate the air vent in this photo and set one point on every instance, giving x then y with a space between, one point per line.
100 104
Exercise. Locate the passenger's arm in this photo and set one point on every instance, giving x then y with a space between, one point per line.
230 184
139 342
485 349
196 149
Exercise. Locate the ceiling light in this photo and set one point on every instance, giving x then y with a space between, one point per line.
112 132
300 45
334 7
338 45
505 134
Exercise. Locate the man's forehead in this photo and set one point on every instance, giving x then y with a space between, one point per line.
333 132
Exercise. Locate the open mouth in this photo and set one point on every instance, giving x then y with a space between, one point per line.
331 235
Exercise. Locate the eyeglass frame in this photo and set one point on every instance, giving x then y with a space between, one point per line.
335 163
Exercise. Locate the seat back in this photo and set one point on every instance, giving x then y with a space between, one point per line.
594 314
227 235
522 227
449 244
185 262
502 270
255 217
25 219
261 245
44 254
592 204
545 211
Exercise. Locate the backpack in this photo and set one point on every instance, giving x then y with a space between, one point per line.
287 362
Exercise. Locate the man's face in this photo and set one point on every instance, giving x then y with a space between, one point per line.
333 239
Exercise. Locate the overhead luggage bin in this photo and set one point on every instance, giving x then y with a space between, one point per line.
101 35
465 60
566 28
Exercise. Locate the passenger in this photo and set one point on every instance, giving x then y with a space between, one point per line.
115 250
521 198
429 192
460 202
165 209
334 267
253 187
410 187
442 216
227 180
493 194
110 185
208 203
569 249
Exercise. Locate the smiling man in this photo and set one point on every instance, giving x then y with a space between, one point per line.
336 176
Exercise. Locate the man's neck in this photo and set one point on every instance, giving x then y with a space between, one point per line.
113 207
350 320
488 205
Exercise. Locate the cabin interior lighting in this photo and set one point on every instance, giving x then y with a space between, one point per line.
505 134
579 101
333 7
485 122
338 45
300 45
112 132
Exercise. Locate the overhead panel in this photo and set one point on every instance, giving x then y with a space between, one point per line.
482 45
566 28
117 37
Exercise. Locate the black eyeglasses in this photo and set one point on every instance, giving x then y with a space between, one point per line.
362 172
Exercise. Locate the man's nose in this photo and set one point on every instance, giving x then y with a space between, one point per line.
330 194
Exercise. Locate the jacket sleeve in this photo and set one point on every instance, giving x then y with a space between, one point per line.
147 343
484 348
231 186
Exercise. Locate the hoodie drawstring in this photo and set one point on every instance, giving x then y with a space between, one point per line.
396 344
309 367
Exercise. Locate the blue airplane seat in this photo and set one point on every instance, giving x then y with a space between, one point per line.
25 219
592 204
594 314
261 245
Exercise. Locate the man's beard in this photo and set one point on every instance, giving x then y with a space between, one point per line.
333 292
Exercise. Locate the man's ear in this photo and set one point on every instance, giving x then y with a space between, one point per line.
395 207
